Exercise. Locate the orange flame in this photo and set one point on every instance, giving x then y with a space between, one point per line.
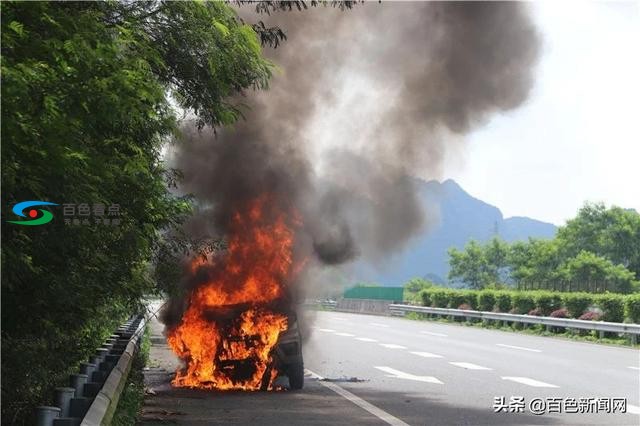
231 348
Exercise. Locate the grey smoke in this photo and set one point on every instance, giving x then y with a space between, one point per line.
435 71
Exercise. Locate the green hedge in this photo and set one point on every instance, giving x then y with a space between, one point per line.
612 306
457 298
503 301
615 307
548 301
632 308
577 303
487 300
425 296
523 302
440 298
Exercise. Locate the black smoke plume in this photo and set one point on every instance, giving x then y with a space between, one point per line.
364 100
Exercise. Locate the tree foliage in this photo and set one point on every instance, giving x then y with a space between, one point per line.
413 288
597 251
478 265
86 91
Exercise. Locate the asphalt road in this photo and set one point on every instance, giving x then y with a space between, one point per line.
416 373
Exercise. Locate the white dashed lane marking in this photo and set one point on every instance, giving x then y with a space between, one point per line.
518 347
633 409
427 354
381 414
430 333
529 382
325 330
366 339
634 368
397 374
377 324
344 334
392 346
469 366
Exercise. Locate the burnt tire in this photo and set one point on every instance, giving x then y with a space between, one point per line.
295 372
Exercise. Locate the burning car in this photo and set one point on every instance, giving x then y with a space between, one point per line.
288 354
237 329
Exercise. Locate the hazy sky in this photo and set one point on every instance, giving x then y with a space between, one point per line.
576 138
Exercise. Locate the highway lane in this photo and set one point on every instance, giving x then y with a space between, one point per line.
415 373
431 373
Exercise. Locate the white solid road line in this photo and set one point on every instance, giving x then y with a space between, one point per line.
427 354
381 414
392 346
397 374
344 334
518 347
469 366
366 339
529 382
377 324
430 333
633 409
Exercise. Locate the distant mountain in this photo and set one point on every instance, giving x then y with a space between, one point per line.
459 218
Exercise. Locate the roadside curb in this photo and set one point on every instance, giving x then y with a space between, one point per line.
104 405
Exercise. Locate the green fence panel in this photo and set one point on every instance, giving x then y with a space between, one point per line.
377 293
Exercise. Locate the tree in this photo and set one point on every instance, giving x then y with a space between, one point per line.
612 233
414 286
496 253
596 274
86 108
597 251
469 266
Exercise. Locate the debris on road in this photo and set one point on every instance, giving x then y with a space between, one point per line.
344 379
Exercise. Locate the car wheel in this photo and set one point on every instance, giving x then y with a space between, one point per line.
295 372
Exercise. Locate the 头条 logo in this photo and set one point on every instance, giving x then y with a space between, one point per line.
37 216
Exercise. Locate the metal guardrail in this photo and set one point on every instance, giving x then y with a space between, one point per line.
326 304
105 403
602 326
94 393
329 304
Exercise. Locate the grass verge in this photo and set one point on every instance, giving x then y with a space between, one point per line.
133 393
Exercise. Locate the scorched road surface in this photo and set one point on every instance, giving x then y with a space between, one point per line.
416 373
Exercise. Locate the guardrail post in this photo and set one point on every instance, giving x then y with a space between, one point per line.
102 353
62 400
88 368
634 338
45 415
77 382
601 334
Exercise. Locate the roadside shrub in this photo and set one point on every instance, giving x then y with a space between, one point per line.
590 316
632 308
466 307
577 303
459 297
486 300
612 306
440 298
503 301
425 297
548 302
536 312
523 302
559 313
